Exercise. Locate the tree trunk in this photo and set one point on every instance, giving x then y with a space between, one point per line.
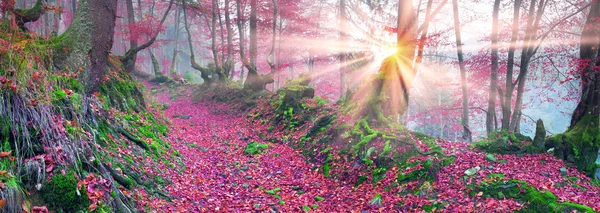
589 105
407 34
526 54
253 33
155 65
132 42
203 71
581 143
342 52
254 81
176 44
506 101
213 33
271 59
88 41
491 112
467 136
228 66
423 37
74 7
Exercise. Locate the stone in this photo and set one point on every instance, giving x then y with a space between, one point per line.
545 174
472 171
563 171
539 141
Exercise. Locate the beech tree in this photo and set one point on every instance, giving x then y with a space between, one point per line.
581 142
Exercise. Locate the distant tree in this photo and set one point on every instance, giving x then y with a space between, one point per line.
467 135
130 56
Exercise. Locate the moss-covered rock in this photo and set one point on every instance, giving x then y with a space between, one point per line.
63 195
540 136
504 142
534 200
579 145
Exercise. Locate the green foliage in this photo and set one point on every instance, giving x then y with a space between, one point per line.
62 194
376 200
254 148
378 174
321 101
534 200
428 170
319 198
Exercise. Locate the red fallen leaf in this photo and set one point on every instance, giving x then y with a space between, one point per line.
13 87
39 209
5 154
2 202
68 92
92 207
1 185
33 102
3 172
49 168
3 80
96 94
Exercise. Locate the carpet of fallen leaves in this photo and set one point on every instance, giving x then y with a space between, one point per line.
218 177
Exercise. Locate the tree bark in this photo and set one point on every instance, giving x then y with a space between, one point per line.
491 112
423 38
132 42
467 135
254 81
176 44
253 33
342 52
271 59
527 53
215 50
589 105
228 66
507 99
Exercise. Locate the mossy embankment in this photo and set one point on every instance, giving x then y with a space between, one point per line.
100 148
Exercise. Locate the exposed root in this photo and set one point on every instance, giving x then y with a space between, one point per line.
132 138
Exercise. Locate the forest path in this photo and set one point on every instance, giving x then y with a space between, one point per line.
219 177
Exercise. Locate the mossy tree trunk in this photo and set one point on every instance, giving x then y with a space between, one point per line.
88 41
581 142
384 96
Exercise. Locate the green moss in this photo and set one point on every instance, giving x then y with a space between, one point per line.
254 148
504 142
62 194
534 200
580 145
428 170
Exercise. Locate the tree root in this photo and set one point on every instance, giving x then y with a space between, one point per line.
127 183
132 138
414 145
